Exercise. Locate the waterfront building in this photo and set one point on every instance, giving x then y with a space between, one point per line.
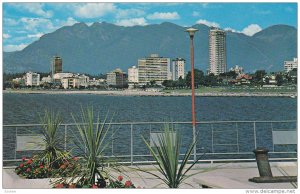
154 68
269 80
290 65
56 65
243 79
32 79
237 69
116 78
46 79
217 51
133 75
178 68
19 81
75 81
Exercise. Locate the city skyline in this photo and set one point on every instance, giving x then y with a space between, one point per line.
24 23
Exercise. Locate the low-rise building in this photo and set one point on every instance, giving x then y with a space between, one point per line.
270 80
243 79
290 65
116 78
32 79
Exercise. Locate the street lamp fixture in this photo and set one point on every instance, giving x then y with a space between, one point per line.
192 32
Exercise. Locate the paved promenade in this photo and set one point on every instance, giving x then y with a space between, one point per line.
219 175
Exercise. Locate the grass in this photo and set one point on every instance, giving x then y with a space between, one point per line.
234 90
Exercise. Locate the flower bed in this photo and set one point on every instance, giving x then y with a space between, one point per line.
33 168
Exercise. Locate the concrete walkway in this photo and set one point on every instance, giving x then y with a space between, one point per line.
230 175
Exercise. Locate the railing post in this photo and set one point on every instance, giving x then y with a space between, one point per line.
112 143
16 143
131 144
66 129
272 138
194 141
212 138
237 137
254 134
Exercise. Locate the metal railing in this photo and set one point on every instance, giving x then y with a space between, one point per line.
217 140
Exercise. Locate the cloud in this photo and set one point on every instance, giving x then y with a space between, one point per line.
195 14
163 16
69 22
38 35
251 29
230 29
93 10
10 22
35 8
123 13
208 23
6 36
33 24
132 22
11 47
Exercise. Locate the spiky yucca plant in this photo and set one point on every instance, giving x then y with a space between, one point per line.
166 152
53 155
92 144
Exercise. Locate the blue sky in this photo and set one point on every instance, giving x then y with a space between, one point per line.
24 23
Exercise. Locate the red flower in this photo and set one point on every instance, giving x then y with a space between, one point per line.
120 178
59 186
29 161
23 159
63 166
128 183
21 165
28 170
41 166
75 158
94 186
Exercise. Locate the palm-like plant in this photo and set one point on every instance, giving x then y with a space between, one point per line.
53 154
92 142
166 152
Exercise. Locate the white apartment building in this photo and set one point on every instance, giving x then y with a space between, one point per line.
32 79
178 68
133 75
290 65
237 69
75 81
217 51
154 68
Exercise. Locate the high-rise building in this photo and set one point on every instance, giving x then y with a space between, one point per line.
178 68
290 65
154 68
217 51
133 75
32 79
116 78
56 65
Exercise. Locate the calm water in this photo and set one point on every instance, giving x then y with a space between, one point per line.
25 108
213 138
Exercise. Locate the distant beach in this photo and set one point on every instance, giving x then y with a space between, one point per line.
150 93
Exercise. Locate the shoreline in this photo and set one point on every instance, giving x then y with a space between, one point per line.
148 93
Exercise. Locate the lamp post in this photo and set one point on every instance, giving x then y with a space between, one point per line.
192 32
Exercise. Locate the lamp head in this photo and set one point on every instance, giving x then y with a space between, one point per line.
191 31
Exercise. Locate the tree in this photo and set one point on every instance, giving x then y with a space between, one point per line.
199 78
211 80
279 79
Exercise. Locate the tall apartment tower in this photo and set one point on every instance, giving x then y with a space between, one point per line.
56 65
217 51
178 68
154 68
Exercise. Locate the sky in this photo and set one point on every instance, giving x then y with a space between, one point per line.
24 23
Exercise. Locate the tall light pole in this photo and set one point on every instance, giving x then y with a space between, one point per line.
192 32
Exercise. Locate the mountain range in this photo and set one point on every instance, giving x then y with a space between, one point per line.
102 47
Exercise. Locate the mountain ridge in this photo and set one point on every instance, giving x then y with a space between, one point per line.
102 47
